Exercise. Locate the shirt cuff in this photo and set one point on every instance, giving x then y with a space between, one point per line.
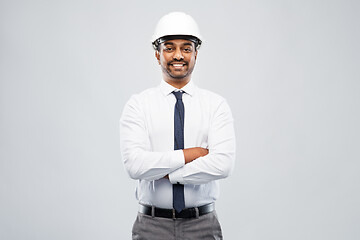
177 176
178 159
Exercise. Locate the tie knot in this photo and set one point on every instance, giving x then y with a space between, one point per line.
178 95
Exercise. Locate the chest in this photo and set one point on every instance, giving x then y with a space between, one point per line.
160 123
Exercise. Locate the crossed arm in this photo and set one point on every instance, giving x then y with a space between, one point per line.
188 166
190 154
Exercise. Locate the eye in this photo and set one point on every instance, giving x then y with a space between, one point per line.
168 49
187 49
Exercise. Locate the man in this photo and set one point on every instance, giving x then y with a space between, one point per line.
177 140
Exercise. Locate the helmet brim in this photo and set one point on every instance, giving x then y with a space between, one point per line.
162 39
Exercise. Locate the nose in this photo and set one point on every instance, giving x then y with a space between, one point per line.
178 55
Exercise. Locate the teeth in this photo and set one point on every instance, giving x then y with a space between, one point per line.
177 65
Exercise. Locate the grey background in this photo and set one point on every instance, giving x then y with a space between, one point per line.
289 70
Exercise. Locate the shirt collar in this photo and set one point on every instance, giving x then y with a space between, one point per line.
166 88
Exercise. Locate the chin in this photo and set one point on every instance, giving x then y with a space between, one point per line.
178 77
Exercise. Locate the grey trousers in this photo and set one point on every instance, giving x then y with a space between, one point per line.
206 227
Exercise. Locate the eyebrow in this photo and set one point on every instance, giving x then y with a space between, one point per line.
185 44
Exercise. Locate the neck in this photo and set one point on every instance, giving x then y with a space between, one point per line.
177 82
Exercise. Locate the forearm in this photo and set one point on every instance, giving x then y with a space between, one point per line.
152 165
143 164
213 166
190 154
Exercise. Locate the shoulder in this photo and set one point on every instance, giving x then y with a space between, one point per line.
147 92
136 104
144 96
216 103
210 96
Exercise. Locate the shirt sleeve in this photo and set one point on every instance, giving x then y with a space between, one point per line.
219 162
139 161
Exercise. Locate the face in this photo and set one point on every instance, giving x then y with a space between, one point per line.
177 59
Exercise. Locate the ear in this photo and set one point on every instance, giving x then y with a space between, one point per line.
196 52
157 55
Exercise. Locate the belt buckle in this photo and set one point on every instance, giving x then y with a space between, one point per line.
173 214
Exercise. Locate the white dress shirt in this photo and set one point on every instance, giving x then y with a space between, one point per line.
147 144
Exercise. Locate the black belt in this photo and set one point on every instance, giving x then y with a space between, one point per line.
171 213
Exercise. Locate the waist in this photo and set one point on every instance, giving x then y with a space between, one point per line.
159 193
194 212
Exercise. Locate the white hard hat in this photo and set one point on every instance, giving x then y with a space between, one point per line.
178 25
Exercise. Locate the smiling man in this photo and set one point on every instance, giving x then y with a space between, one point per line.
177 60
177 140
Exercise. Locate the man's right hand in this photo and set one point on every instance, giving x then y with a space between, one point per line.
191 154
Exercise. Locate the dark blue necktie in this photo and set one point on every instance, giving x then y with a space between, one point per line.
178 189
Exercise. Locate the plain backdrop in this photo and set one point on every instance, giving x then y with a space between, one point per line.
288 69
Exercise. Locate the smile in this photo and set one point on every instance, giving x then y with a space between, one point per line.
177 65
